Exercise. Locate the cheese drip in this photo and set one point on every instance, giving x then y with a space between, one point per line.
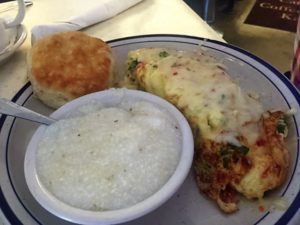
200 86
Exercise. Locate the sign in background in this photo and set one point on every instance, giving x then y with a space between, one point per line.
278 14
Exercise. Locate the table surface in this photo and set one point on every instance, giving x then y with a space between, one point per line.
147 17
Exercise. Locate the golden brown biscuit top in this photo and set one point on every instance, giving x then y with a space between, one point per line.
72 62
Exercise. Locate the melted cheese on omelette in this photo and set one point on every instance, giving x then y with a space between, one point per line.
199 85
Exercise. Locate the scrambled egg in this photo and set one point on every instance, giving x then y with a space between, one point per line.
239 148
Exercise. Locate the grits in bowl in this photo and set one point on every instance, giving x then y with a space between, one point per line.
112 156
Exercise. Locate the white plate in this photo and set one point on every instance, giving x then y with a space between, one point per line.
188 206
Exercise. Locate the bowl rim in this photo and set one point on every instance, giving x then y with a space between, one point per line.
69 213
7 52
21 34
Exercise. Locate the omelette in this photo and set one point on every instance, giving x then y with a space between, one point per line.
239 147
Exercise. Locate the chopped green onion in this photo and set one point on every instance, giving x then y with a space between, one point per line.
163 54
281 128
282 125
132 65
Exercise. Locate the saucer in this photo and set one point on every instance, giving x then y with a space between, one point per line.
18 35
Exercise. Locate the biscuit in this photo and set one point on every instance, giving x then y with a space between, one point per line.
67 65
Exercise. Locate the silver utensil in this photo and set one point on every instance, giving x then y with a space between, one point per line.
10 108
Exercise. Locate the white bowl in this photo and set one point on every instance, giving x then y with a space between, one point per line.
110 98
17 36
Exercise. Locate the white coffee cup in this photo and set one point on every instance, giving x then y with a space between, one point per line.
6 25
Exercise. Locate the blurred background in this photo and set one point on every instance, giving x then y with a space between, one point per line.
272 45
227 18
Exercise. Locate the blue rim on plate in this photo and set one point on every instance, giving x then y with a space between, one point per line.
294 206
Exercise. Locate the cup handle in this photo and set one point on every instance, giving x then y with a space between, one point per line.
20 16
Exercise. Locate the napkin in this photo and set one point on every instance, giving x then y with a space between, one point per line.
103 10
